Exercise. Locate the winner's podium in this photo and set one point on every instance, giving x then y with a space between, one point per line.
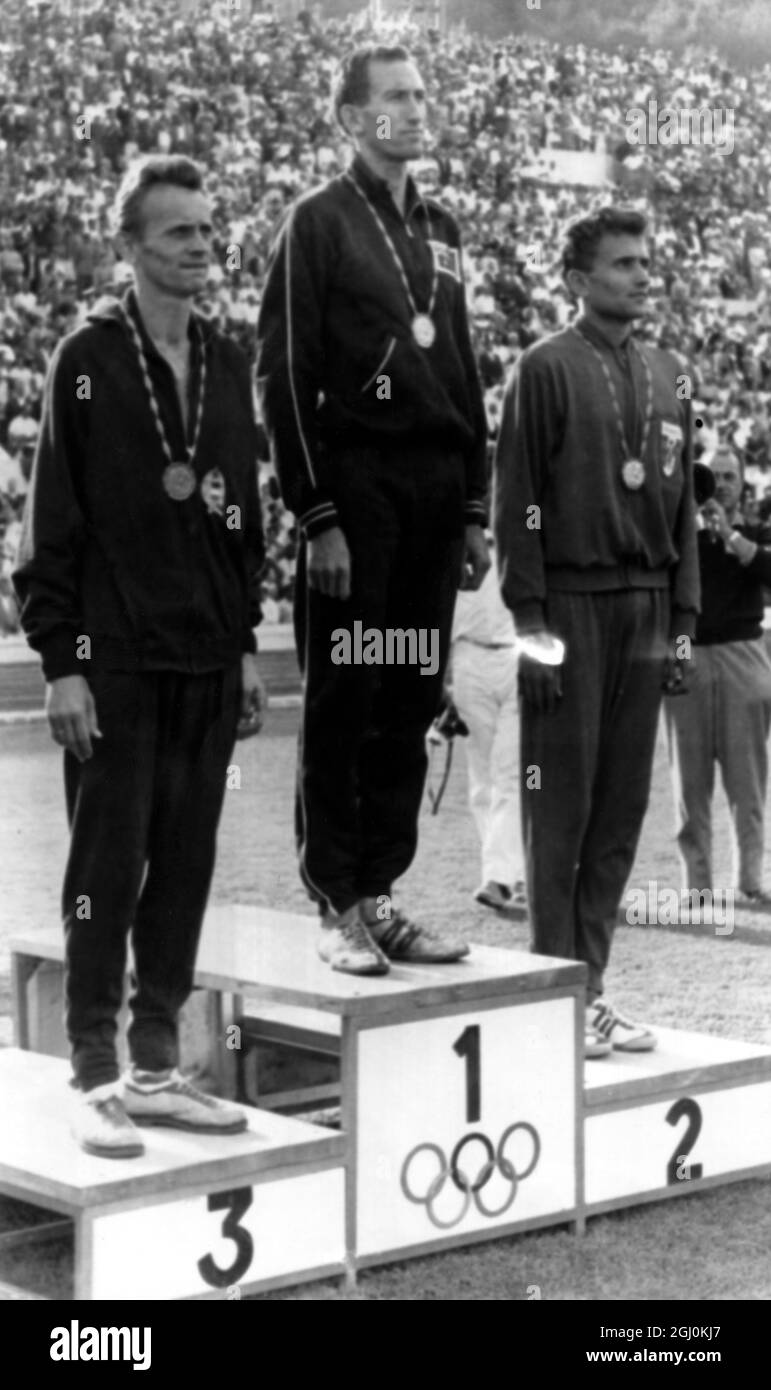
461 1085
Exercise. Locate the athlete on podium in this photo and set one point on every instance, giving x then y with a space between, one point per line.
596 543
373 407
138 581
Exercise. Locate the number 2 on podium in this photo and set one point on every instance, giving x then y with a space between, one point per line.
468 1046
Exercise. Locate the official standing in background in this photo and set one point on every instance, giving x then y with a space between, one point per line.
726 719
484 690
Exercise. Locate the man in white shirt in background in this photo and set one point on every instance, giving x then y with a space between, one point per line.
484 691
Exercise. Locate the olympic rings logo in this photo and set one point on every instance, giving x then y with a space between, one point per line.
494 1159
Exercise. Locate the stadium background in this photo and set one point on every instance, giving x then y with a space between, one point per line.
526 129
521 109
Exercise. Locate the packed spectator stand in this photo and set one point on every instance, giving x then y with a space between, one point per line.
84 87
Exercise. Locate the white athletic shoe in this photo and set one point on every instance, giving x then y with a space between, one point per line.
167 1098
346 944
594 1045
622 1034
101 1126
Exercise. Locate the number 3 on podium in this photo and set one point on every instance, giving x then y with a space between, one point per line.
236 1202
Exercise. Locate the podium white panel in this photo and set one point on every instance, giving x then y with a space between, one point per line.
675 1143
241 1236
482 1100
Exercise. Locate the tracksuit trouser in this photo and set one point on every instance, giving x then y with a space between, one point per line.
484 688
585 770
725 720
362 750
143 814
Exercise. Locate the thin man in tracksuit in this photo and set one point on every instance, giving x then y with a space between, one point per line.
596 541
374 411
139 585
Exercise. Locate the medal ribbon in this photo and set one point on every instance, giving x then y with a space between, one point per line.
614 396
191 448
397 260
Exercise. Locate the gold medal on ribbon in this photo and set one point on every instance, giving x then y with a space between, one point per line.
422 325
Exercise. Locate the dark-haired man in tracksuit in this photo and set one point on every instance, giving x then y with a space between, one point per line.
375 416
596 536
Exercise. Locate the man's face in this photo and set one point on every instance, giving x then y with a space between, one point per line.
395 92
172 251
617 285
728 481
273 205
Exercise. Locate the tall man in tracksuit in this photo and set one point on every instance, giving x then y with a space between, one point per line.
596 537
375 416
138 580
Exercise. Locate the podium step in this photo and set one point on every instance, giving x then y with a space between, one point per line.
694 1113
194 1213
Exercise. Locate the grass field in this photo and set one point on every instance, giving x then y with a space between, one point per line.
707 1246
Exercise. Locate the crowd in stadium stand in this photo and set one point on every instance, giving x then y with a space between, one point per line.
84 87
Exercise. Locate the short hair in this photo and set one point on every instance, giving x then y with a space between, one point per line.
583 236
146 173
727 451
352 86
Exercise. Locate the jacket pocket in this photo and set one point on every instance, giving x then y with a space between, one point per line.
379 368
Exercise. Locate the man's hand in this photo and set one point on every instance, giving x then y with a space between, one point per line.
677 668
254 699
716 519
476 558
329 564
72 715
540 686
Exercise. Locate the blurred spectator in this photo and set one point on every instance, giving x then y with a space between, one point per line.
84 87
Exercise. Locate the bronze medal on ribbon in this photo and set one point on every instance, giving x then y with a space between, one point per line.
178 477
633 474
179 481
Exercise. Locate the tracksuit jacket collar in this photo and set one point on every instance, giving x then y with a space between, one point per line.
112 309
595 335
378 191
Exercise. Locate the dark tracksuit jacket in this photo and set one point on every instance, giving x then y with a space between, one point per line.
155 584
727 715
732 599
166 594
372 433
334 317
614 573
